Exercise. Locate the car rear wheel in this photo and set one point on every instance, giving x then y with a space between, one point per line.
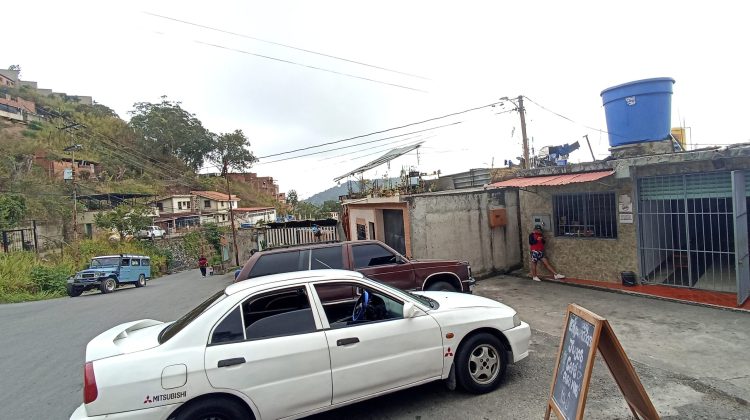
441 286
108 286
141 281
480 363
214 409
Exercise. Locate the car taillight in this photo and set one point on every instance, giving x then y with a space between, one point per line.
90 392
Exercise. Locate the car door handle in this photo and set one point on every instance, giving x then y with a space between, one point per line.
347 341
231 362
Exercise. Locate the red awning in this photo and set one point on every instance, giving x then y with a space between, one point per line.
552 180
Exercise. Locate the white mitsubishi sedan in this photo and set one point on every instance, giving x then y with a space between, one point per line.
294 344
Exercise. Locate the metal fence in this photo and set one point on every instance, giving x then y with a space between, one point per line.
279 237
19 240
687 231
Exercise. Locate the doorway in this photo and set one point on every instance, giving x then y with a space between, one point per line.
393 227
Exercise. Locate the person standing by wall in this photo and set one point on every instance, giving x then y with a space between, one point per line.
203 264
536 247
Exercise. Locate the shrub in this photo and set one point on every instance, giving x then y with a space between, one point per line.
50 279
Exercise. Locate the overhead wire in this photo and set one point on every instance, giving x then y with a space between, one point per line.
571 120
382 131
358 144
198 25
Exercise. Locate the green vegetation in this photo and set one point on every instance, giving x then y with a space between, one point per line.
157 152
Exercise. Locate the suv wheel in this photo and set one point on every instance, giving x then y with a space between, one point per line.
141 281
480 363
108 285
74 291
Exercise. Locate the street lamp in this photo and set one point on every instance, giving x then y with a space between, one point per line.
72 149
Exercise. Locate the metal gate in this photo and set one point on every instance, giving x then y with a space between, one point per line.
688 230
19 240
742 260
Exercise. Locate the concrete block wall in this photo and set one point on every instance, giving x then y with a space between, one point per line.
578 257
456 226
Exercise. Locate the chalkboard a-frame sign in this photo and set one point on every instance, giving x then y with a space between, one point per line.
586 332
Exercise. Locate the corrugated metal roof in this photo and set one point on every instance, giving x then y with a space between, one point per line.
550 180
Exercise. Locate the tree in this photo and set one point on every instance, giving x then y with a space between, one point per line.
12 210
125 219
308 210
231 152
331 206
171 130
291 198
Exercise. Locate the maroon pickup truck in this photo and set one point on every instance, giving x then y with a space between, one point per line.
371 258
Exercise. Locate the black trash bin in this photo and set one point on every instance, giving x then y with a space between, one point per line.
628 278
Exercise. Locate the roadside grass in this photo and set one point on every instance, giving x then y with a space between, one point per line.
26 277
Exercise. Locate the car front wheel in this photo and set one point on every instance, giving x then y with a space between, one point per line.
214 409
441 286
141 281
108 286
74 291
480 363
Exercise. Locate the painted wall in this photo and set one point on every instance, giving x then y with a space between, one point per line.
171 204
373 212
456 226
580 257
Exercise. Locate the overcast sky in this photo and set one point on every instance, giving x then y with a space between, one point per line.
466 54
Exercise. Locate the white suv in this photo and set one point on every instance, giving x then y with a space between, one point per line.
152 232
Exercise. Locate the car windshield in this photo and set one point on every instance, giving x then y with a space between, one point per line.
424 300
104 262
172 329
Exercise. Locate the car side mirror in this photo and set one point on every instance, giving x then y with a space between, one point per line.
409 310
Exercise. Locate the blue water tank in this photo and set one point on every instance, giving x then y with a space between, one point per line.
638 111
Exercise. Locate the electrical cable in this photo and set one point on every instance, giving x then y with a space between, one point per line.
568 119
281 45
382 131
359 144
340 73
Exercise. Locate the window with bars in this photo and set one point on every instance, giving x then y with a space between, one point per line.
592 215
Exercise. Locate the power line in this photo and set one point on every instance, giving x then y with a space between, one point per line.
382 131
568 119
359 144
340 73
390 143
282 45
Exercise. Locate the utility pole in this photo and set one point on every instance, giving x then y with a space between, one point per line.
231 214
72 149
522 111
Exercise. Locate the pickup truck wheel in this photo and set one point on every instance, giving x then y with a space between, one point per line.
108 285
480 363
75 291
141 281
441 286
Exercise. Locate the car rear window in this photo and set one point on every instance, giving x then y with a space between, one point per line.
371 255
325 258
280 262
186 319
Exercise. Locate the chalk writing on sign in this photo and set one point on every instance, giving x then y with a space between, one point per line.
576 348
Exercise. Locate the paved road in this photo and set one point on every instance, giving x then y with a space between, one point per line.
43 343
692 360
